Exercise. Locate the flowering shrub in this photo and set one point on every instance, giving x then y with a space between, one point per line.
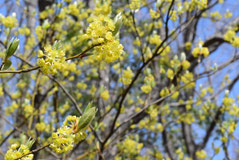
129 79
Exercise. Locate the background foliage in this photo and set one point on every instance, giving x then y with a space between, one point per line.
160 73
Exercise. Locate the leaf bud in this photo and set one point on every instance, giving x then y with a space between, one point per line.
118 23
12 47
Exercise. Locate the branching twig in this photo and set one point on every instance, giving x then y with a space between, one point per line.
80 55
33 151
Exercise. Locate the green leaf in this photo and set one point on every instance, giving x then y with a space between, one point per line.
96 126
12 47
118 23
86 118
7 64
57 45
90 105
30 142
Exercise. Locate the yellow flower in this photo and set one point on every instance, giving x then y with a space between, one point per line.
201 154
229 36
105 95
9 21
127 76
81 85
154 14
175 95
131 147
173 15
200 50
101 31
170 74
54 60
228 14
16 151
188 45
164 92
1 91
40 126
39 32
134 4
146 88
160 127
185 65
64 138
216 16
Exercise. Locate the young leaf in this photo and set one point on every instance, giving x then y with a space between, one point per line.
118 23
7 64
86 118
12 47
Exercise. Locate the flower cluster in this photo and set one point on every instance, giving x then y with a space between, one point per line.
134 4
150 123
200 4
105 95
126 76
72 131
1 91
103 8
185 64
63 140
131 147
231 37
10 109
200 50
149 83
16 152
102 30
39 32
228 14
201 154
40 126
174 15
188 46
154 14
187 78
9 21
53 60
186 118
24 31
155 39
28 110
228 128
215 16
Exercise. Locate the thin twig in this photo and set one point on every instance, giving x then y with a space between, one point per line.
22 70
80 55
33 151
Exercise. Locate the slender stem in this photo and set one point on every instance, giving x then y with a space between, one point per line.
33 151
80 55
2 65
22 70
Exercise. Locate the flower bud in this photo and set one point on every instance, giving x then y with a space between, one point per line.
118 23
46 24
183 56
227 93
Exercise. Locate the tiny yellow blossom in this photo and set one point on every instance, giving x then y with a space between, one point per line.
105 95
201 154
146 89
